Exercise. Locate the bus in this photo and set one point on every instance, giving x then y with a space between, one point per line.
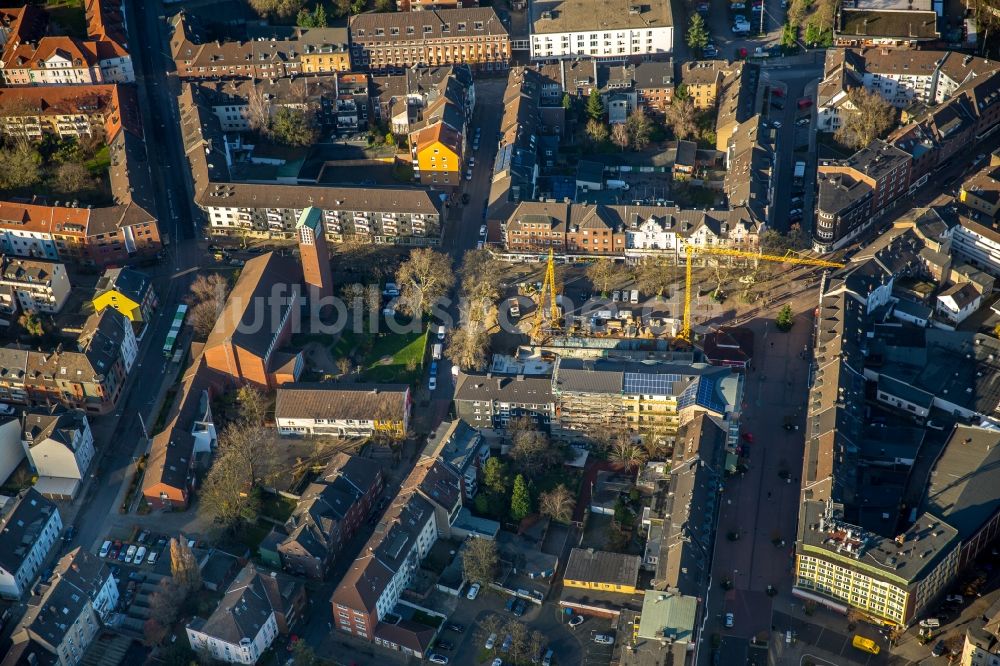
175 330
866 644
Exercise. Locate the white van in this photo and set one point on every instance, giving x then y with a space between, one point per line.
930 623
634 296
152 557
515 310
105 548
436 351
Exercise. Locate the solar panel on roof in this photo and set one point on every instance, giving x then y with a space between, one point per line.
650 384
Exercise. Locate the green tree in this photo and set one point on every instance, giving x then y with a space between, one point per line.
595 107
697 34
390 139
304 19
20 166
785 318
31 323
294 127
303 654
520 500
319 16
789 35
567 101
495 475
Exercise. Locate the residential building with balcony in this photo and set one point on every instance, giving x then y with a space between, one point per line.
343 410
394 41
488 401
584 28
37 286
462 448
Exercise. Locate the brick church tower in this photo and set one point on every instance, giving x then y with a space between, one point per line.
314 254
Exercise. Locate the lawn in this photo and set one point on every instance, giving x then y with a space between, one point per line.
276 507
70 15
404 354
99 164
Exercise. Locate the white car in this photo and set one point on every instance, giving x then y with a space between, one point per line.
440 332
491 641
152 557
105 547
432 383
776 124
129 554
140 555
604 639
497 662
438 659
472 161
473 591
729 620
576 621
482 230
468 174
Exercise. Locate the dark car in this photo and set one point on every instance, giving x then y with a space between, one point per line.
519 608
510 604
445 645
456 627
939 649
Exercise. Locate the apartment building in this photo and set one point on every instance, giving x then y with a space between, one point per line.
89 376
586 28
487 401
257 606
327 515
748 182
64 620
902 77
651 398
31 57
977 243
60 447
386 42
422 5
600 583
855 192
886 23
30 525
703 80
63 111
437 126
737 101
34 285
981 192
343 410
256 51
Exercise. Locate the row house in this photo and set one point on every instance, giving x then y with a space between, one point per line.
261 52
463 449
623 86
423 5
488 402
516 167
437 126
89 376
32 57
579 29
63 111
624 231
888 23
394 41
343 410
856 191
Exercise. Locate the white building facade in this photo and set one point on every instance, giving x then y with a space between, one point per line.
28 530
247 651
598 43
66 454
40 286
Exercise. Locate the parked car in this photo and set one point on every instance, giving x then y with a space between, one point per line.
710 51
730 620
576 621
445 645
482 230
939 649
509 606
105 548
468 174
547 659
776 124
473 591
930 623
497 662
456 627
519 608
438 659
140 555
153 554
805 103
432 383
802 122
491 641
604 639
955 598
507 642
130 554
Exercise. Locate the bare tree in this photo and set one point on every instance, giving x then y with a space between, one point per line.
344 365
532 451
480 560
253 405
870 118
619 135
207 299
228 495
627 453
467 347
424 278
655 274
681 117
597 131
258 109
536 644
481 275
72 178
489 625
639 128
183 566
520 641
557 504
164 608
601 273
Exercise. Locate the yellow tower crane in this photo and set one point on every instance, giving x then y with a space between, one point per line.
548 289
691 250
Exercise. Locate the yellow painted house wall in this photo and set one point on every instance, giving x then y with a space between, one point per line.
437 158
313 63
606 587
124 304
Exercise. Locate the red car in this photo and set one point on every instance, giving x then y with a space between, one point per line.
748 436
805 103
777 92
